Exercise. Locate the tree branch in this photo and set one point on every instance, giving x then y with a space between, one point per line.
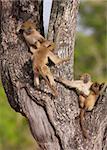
54 122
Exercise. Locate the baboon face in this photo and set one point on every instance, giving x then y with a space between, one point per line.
85 77
95 87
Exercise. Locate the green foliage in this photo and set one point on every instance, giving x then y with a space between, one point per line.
90 49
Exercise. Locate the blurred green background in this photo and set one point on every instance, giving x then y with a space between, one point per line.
90 56
91 40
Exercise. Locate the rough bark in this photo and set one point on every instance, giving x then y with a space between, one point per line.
54 122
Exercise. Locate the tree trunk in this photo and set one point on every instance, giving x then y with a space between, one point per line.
54 122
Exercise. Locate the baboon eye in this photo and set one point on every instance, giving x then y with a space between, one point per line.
29 30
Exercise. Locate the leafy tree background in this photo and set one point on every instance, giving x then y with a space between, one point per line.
90 56
91 42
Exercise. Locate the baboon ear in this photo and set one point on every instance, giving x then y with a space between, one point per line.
18 27
102 85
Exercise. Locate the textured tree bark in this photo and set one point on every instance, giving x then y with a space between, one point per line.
54 122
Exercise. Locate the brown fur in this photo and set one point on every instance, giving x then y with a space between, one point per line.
40 60
88 104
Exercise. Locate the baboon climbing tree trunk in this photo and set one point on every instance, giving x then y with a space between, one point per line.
54 122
